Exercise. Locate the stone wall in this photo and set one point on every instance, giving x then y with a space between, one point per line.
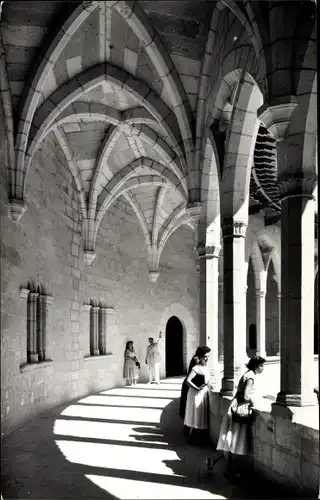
284 450
46 247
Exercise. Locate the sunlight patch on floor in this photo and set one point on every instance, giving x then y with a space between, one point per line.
131 489
109 456
108 430
111 413
159 392
126 401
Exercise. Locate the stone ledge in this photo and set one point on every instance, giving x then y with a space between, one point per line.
27 367
101 356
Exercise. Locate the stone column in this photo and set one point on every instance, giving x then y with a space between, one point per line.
42 313
220 316
279 322
261 322
246 319
297 289
94 331
102 330
32 353
208 260
234 303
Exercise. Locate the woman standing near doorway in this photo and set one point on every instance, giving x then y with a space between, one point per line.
196 415
131 364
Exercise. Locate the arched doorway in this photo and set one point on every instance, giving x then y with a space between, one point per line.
174 347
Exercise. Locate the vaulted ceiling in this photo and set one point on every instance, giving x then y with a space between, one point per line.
117 138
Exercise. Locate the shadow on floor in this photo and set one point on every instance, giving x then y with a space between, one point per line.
114 451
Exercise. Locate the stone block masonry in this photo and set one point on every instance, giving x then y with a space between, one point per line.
46 246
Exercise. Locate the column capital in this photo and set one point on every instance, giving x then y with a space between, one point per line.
17 209
33 295
261 294
47 299
296 185
208 252
86 307
233 229
194 210
108 310
153 276
89 256
95 308
24 292
276 115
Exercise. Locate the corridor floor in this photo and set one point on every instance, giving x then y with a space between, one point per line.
122 443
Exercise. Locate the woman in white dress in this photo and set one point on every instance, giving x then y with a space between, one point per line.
196 415
235 435
131 365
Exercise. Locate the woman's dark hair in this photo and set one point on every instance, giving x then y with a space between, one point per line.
254 362
202 350
128 343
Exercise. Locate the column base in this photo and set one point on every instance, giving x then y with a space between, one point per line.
33 358
227 387
94 352
284 399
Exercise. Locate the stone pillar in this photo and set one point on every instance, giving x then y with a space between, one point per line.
246 320
94 331
42 313
220 316
279 322
297 289
261 322
208 261
234 303
32 353
102 330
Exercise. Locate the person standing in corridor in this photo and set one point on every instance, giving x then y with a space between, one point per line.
153 359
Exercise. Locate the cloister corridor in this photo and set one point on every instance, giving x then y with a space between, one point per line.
121 443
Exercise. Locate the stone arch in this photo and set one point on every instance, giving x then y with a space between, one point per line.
115 184
65 95
8 115
140 25
251 27
32 286
272 312
301 137
190 328
110 139
171 228
41 290
258 267
93 302
276 261
249 23
40 73
73 167
209 224
240 142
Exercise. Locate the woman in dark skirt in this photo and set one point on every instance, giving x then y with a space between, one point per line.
185 388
